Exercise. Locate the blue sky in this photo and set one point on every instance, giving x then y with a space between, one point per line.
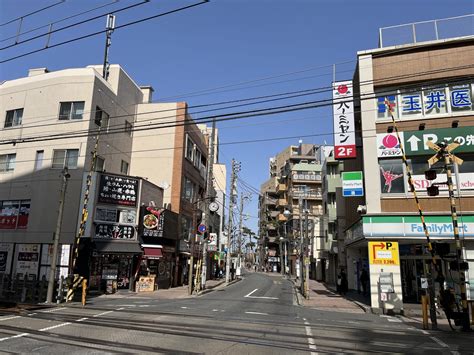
222 43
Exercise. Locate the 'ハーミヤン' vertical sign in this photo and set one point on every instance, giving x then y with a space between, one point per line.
344 129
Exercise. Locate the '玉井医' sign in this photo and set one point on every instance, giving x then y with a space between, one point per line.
344 128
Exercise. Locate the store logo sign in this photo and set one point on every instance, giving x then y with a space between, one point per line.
388 145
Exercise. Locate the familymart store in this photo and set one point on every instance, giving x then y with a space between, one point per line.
415 258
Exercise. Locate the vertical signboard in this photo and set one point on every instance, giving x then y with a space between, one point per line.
344 128
383 253
352 184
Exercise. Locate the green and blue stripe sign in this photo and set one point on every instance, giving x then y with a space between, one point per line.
352 184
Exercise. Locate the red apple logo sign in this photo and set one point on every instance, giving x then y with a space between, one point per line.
342 89
389 146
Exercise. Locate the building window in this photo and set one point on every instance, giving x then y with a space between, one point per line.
71 110
391 176
7 162
189 190
128 128
39 159
14 214
124 167
189 153
101 118
99 164
65 158
13 117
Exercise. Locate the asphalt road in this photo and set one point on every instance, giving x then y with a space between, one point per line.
257 315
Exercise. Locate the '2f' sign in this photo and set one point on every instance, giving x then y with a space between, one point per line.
345 151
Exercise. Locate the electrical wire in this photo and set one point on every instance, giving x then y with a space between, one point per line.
58 21
103 31
207 119
33 13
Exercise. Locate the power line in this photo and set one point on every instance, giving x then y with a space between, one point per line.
32 13
103 31
221 117
210 104
58 21
72 25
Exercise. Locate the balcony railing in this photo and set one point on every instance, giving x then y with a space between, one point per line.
416 32
306 177
307 194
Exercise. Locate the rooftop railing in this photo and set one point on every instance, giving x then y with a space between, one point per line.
416 32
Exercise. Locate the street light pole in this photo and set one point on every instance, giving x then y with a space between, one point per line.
57 233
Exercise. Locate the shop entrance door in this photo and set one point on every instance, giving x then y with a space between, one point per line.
412 270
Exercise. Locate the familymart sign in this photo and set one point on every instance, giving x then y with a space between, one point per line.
410 226
414 142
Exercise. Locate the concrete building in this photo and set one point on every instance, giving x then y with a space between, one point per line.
295 185
72 103
430 87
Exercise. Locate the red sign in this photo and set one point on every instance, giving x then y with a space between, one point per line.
345 151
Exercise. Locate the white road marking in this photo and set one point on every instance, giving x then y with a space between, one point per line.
120 309
31 314
309 334
15 336
82 319
101 314
184 307
215 310
444 345
54 310
263 314
264 297
8 318
396 320
144 305
54 326
424 332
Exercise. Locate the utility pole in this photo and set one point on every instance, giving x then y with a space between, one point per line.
207 212
241 221
193 245
443 152
300 204
235 168
77 278
306 254
108 41
57 233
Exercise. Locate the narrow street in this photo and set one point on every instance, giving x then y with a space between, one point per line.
256 315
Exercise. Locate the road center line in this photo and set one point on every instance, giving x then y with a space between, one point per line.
120 309
54 310
101 314
263 314
82 319
251 293
309 334
8 318
54 326
15 336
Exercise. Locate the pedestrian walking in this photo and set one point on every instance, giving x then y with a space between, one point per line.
344 285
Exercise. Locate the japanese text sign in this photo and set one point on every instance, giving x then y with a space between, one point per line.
118 190
152 221
383 253
114 231
344 128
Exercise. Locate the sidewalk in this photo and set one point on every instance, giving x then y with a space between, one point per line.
323 298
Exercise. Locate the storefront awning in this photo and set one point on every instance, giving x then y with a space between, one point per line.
152 253
118 247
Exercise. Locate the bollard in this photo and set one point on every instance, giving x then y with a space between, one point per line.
424 309
84 292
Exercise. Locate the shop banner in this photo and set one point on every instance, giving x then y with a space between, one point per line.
114 231
414 142
466 182
152 221
410 226
343 118
118 190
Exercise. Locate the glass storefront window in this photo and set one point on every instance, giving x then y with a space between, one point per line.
391 176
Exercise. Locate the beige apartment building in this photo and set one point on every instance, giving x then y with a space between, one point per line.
430 86
40 110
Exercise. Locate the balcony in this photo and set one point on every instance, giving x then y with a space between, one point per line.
269 201
307 195
282 218
281 202
333 182
306 177
280 188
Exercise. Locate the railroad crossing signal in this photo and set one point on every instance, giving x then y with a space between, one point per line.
442 148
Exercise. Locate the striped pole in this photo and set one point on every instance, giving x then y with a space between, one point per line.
459 250
77 279
434 322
